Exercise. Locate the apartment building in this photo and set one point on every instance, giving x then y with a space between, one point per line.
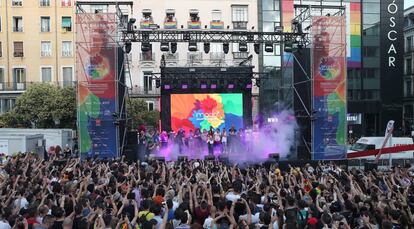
408 99
194 15
37 42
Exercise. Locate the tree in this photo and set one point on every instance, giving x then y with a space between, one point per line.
45 106
140 115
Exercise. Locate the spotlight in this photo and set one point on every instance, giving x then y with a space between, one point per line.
184 86
226 48
203 85
288 46
269 47
192 46
173 47
157 83
257 82
145 47
128 46
249 85
257 48
167 87
230 86
164 47
242 47
206 47
130 25
213 85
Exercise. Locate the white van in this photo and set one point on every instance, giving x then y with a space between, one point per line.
369 143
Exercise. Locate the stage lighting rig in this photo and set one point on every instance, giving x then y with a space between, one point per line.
128 46
146 47
226 48
206 47
243 47
130 25
192 46
173 47
164 47
257 48
269 47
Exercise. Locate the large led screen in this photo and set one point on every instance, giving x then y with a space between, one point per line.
192 111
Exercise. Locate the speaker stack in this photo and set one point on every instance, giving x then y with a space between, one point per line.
131 148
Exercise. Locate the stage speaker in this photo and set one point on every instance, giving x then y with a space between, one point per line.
275 156
132 138
369 166
162 159
130 153
223 159
182 158
209 158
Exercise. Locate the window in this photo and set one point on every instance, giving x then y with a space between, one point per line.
1 77
147 82
239 13
66 48
408 44
408 66
18 49
150 105
66 3
67 76
44 2
216 15
99 9
17 2
1 50
46 49
0 22
46 74
45 24
66 24
19 75
17 24
408 90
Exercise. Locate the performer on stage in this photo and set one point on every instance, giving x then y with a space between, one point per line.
210 144
232 139
224 141
164 140
198 141
142 144
180 138
217 140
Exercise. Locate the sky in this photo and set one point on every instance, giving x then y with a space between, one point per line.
408 3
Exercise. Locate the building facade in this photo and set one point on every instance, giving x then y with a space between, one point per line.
188 14
36 45
408 108
374 60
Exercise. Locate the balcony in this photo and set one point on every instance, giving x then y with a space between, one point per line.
19 87
217 56
46 53
194 58
171 57
240 55
18 54
17 29
145 92
66 53
147 57
242 25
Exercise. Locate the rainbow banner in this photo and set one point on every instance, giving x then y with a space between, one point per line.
353 14
170 25
145 24
329 88
96 72
194 25
216 25
191 111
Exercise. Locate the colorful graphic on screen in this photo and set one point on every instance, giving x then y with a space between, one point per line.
192 111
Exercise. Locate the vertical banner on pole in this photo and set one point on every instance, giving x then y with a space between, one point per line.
329 88
97 93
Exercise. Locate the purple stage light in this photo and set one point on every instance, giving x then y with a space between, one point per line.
203 86
213 86
249 86
184 86
167 87
230 86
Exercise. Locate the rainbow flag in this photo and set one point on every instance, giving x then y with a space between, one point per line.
145 24
354 59
216 25
170 25
194 25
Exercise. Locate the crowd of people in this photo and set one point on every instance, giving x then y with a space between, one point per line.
213 141
68 193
